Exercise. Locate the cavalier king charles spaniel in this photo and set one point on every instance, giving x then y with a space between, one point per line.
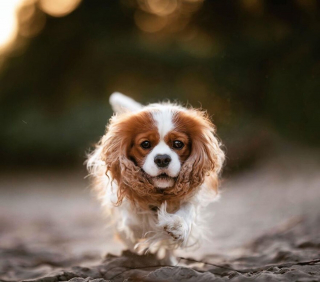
154 169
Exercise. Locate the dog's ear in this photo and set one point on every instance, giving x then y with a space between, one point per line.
114 152
122 104
206 158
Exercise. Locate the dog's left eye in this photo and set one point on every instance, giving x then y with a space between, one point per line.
177 144
145 144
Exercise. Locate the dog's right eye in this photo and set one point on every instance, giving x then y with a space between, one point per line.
145 144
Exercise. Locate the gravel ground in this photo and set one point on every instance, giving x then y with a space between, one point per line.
266 227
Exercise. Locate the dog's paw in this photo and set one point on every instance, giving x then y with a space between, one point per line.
176 227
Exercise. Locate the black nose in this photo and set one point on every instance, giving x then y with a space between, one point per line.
162 160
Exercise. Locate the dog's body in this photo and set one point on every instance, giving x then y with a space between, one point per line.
154 169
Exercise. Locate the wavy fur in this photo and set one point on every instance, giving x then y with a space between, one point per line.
127 190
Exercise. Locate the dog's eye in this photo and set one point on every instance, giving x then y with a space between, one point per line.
145 144
177 144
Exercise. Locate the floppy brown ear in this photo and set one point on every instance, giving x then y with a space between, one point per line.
113 153
115 145
206 158
111 149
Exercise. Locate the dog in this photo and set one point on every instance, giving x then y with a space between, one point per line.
155 168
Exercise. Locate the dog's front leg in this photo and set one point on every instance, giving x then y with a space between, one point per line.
177 226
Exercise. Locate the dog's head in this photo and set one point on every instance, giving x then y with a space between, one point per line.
159 152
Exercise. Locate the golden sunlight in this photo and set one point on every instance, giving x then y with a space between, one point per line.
22 17
8 22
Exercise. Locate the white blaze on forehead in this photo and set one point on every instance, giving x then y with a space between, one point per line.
163 119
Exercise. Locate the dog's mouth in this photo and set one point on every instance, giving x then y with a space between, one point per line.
163 181
163 176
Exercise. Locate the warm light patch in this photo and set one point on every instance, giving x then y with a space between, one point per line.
21 17
164 16
31 21
8 21
149 23
58 8
161 7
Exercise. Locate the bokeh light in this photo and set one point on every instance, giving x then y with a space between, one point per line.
165 16
58 8
8 22
31 21
159 7
24 18
149 23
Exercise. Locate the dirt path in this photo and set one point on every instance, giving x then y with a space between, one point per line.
266 216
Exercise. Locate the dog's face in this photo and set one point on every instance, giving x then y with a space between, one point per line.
161 147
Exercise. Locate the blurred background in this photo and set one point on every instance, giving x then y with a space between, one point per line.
253 64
